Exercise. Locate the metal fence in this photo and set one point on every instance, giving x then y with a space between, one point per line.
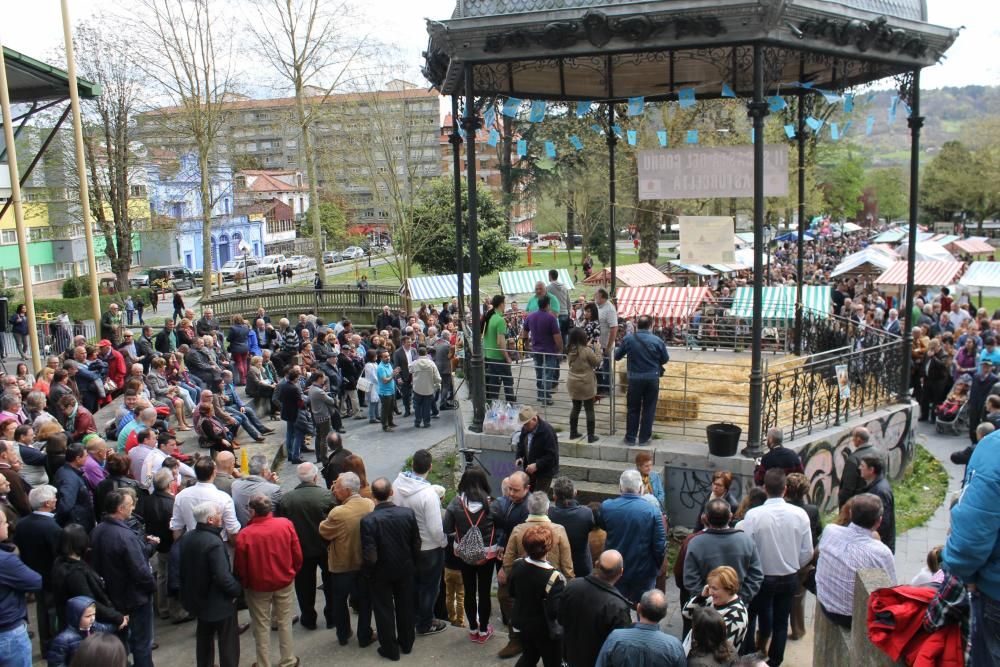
336 300
804 394
52 338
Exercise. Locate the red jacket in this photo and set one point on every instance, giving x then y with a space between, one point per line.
116 367
895 625
268 554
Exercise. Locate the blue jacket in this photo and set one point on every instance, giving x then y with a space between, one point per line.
16 579
253 342
64 645
646 353
229 390
656 482
74 504
635 529
973 549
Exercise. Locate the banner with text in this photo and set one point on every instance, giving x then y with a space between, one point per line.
702 173
706 239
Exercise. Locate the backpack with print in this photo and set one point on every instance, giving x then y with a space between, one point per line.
469 547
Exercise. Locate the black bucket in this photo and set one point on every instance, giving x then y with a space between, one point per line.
723 438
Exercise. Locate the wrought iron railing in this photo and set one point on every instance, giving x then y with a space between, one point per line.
812 393
335 301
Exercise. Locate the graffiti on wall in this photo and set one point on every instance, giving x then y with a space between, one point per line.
824 460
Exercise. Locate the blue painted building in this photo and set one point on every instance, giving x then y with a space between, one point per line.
175 236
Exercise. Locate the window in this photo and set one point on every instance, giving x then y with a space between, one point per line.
137 190
12 277
8 237
34 196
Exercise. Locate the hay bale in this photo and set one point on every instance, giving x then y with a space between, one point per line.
675 406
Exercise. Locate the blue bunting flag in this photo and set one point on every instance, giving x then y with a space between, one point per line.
686 97
790 131
848 102
692 136
511 107
869 125
727 91
494 138
814 124
522 147
537 113
577 144
777 103
835 131
632 137
583 108
550 149
662 136
636 105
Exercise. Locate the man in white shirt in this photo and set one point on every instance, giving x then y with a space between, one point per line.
204 491
843 550
783 537
165 444
607 318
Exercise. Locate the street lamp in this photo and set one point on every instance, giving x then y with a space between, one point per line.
768 235
245 247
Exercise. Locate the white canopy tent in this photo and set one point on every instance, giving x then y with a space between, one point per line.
982 277
927 251
872 259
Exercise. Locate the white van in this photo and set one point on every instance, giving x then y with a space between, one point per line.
271 263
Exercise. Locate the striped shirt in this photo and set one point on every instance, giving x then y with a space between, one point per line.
734 613
843 550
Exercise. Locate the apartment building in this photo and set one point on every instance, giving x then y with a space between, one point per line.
372 148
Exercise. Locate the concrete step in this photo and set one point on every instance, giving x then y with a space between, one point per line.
591 470
588 492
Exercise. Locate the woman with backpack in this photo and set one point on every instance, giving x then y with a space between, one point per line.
471 518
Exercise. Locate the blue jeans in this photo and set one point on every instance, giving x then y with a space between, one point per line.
294 438
430 565
373 410
633 590
641 405
422 408
15 647
771 608
985 631
350 584
140 635
546 375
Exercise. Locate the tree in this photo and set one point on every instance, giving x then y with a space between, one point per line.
890 189
946 190
843 188
434 216
306 41
106 57
182 56
333 221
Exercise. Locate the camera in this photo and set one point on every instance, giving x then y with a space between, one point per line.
469 454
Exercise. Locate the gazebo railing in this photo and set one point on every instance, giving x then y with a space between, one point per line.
337 300
826 389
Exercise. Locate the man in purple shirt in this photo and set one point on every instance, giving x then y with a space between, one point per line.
93 467
542 327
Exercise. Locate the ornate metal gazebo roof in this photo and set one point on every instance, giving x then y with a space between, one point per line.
615 49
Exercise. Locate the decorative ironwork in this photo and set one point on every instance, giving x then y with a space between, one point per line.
905 86
800 399
876 34
598 29
825 333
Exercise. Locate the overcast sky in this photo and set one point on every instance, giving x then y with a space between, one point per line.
35 28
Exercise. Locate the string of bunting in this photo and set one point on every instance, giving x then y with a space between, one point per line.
686 99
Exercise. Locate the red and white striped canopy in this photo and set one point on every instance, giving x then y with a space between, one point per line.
667 305
631 275
971 247
930 273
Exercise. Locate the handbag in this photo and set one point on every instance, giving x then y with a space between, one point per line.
551 604
364 385
304 420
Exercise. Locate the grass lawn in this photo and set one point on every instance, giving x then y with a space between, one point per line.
918 494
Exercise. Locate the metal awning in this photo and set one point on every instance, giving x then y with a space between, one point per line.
428 288
971 247
30 80
523 282
632 275
675 266
778 301
604 49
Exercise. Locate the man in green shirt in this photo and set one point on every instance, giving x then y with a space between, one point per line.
495 353
540 291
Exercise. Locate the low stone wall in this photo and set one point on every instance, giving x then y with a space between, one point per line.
838 646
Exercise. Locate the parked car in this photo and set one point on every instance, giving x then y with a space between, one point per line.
271 263
517 240
577 239
551 236
237 269
331 256
353 252
299 262
163 277
531 236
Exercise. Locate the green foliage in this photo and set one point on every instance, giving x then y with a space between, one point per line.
959 181
333 221
843 188
434 216
76 287
598 243
890 190
920 492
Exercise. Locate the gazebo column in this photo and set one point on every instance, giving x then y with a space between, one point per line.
915 122
800 137
612 194
757 110
477 386
455 139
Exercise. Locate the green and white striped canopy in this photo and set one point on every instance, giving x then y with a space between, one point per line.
779 301
523 282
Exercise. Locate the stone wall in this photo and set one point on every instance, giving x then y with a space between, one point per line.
838 646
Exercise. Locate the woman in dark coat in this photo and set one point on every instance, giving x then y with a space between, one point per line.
529 578
72 576
239 349
936 372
